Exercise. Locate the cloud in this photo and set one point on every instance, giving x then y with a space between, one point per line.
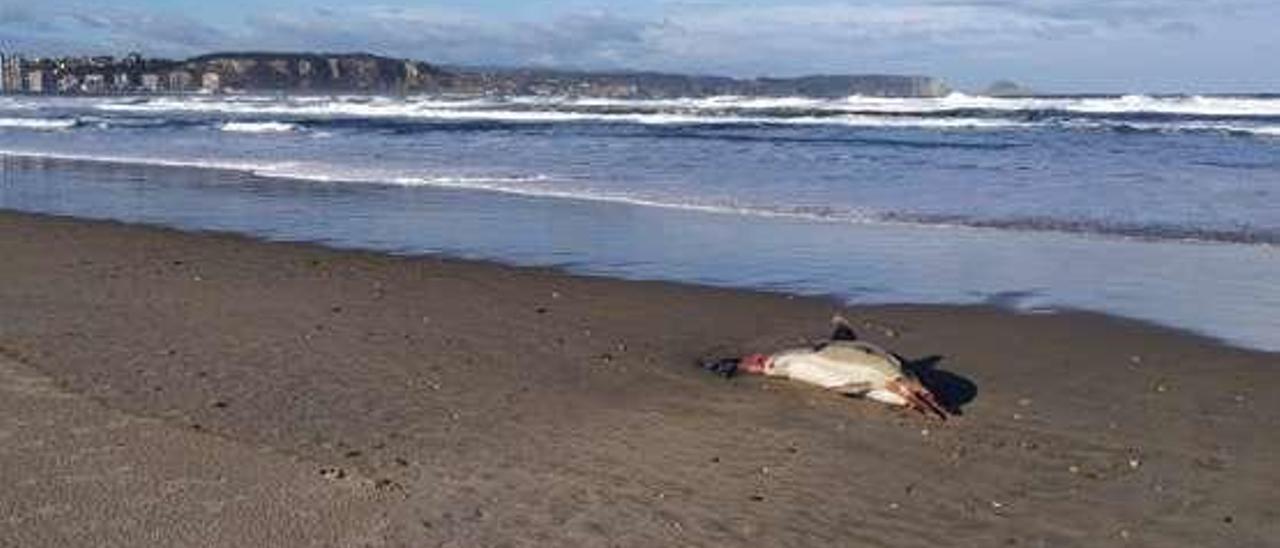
583 38
61 28
21 17
739 37
1178 28
712 33
11 14
1111 11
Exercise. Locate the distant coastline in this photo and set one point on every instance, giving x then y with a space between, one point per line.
255 72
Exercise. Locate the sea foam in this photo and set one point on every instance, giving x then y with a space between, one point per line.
540 186
40 124
259 127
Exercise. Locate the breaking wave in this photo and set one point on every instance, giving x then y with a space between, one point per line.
259 127
1235 116
546 187
39 124
1210 106
433 112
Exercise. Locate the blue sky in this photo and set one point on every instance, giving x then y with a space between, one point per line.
1052 45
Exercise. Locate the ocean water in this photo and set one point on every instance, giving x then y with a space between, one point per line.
1164 209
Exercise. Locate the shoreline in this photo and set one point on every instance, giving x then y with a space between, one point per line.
489 404
834 302
1215 290
1137 233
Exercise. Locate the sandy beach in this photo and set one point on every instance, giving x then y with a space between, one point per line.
160 388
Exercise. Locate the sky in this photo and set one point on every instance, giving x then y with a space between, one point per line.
1050 45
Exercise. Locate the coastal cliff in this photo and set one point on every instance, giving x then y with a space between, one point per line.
237 72
307 72
655 85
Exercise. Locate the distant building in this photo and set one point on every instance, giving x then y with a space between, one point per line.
180 80
120 81
39 81
68 83
11 74
151 82
94 83
211 82
280 66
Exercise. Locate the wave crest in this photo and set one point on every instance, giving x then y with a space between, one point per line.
39 124
545 187
259 127
562 108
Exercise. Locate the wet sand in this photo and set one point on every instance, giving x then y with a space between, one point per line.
161 388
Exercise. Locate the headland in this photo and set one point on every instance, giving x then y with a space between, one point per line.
363 73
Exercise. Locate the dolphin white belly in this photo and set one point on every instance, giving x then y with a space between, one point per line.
816 369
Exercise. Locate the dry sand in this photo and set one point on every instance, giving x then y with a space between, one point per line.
160 388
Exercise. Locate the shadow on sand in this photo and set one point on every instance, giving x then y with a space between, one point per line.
952 390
